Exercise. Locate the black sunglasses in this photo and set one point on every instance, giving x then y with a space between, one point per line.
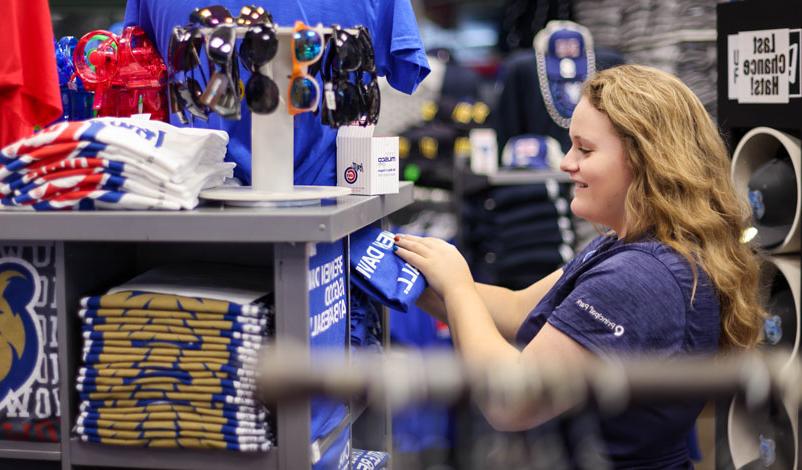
211 16
369 93
185 97
252 14
183 57
340 97
259 46
183 50
223 92
346 102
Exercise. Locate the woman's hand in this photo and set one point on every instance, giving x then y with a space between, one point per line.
440 263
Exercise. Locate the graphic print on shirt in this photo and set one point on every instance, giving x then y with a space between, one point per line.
29 379
617 329
20 336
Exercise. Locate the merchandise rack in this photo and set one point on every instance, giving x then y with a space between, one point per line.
97 250
736 119
467 182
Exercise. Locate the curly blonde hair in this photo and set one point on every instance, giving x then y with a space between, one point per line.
681 189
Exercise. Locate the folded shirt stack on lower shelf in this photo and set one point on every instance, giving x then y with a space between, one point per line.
112 163
369 459
366 327
166 365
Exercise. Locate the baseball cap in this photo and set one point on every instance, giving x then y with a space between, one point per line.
780 297
530 151
762 438
766 171
780 327
772 193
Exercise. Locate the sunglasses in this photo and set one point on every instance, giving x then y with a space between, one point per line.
211 16
341 97
346 102
369 94
252 14
306 48
183 53
223 92
185 97
259 46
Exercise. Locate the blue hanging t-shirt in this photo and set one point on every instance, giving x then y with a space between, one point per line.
400 57
618 298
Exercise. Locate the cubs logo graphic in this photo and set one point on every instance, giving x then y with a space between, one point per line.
350 175
20 334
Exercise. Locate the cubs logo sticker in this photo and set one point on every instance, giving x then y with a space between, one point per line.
20 336
350 175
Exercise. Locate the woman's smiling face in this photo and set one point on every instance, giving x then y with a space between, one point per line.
598 166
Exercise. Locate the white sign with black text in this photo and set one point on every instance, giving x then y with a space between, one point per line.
763 66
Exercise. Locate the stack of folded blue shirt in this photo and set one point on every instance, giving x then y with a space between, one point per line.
369 459
366 328
174 367
515 235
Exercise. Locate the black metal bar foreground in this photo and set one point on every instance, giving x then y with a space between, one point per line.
403 377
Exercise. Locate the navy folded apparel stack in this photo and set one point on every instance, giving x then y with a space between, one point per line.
366 328
169 360
369 459
515 235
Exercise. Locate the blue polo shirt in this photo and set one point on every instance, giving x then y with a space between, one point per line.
400 57
617 298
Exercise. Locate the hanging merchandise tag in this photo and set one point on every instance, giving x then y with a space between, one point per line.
484 151
331 102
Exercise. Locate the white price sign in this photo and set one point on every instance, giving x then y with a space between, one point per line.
763 66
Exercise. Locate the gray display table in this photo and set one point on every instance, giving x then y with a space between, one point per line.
97 250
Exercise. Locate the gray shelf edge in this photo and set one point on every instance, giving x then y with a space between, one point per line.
319 224
82 453
527 177
30 450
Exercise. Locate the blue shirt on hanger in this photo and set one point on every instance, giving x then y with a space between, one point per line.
399 56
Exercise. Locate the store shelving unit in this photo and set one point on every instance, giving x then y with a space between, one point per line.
467 182
98 250
737 118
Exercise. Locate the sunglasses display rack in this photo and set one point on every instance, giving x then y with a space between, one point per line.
761 116
272 143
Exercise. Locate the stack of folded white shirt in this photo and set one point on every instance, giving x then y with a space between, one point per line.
112 163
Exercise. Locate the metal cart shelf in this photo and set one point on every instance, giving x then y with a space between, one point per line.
97 250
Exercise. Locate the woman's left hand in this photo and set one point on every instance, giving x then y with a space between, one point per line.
440 262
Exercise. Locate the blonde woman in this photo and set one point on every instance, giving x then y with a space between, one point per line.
669 278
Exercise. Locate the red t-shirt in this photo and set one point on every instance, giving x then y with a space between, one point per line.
29 90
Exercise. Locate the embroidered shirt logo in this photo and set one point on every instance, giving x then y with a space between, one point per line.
618 330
